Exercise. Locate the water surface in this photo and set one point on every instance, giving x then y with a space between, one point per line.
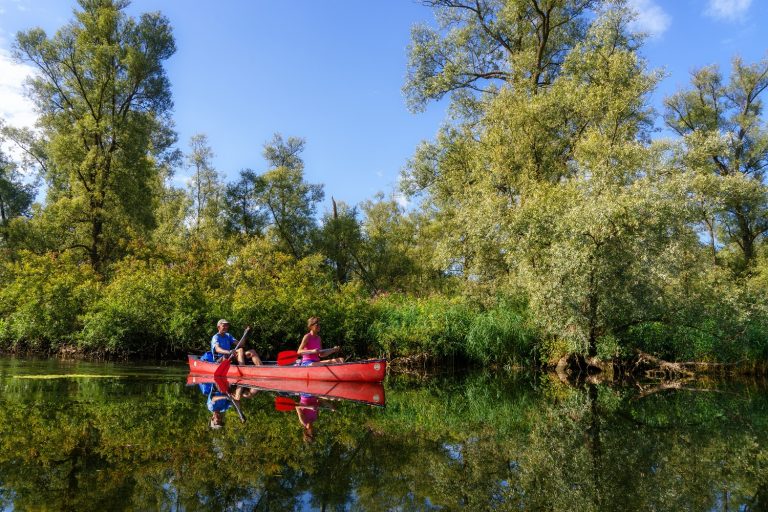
92 436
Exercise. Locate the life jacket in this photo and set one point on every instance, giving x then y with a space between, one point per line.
208 357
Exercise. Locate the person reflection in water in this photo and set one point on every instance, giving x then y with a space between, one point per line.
307 411
220 401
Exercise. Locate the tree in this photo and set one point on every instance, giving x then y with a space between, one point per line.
386 262
339 239
551 187
501 60
204 187
244 214
15 196
725 144
104 101
290 202
484 45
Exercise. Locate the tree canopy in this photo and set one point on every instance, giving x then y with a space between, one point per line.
546 218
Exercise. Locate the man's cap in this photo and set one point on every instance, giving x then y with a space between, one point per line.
222 321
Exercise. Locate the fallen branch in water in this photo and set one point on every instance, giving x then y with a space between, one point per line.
653 367
677 385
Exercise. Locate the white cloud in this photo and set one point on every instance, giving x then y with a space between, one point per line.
15 108
21 5
729 10
651 19
402 200
398 196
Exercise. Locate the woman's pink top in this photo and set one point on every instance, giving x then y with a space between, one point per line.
309 411
313 342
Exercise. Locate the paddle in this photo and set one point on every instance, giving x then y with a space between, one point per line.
237 407
287 357
223 368
283 403
223 384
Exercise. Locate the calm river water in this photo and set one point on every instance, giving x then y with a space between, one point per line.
88 436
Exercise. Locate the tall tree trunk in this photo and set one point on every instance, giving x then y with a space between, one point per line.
745 234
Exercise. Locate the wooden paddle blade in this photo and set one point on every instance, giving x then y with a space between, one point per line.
287 357
283 403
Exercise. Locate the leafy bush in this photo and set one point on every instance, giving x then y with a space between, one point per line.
151 309
504 333
41 301
435 325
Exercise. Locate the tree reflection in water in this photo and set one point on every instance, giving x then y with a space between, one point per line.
477 443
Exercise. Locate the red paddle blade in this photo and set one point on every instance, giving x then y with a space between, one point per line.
221 383
287 357
283 403
223 368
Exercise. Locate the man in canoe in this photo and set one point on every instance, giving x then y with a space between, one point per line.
223 343
311 347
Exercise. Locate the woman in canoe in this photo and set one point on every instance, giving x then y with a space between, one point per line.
311 347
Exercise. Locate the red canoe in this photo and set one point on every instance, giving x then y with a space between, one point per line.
371 393
371 370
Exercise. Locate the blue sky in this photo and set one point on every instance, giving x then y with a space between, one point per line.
332 72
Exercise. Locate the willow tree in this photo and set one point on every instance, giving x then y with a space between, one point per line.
551 187
288 200
242 210
15 195
205 188
104 100
483 50
483 45
725 145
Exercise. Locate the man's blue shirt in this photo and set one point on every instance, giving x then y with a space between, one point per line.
225 341
218 405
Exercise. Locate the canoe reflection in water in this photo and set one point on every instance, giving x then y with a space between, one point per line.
303 396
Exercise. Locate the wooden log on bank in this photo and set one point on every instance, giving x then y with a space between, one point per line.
647 366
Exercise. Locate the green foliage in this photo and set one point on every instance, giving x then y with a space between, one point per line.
454 443
205 189
545 182
433 325
503 334
41 301
103 99
725 148
289 201
148 309
15 195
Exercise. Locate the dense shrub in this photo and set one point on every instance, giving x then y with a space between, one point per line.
435 325
503 334
149 309
41 301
